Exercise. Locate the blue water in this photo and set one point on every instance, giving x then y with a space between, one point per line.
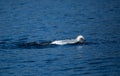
25 22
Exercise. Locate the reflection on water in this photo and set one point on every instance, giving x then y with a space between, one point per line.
27 28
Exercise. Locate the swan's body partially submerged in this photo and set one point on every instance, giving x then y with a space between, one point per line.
79 39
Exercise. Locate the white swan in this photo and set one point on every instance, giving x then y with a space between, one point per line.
79 39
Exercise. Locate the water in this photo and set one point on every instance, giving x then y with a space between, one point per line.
42 21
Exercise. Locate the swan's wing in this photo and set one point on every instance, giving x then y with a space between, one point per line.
59 42
72 41
63 42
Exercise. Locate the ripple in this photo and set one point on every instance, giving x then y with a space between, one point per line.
91 43
95 62
77 68
4 68
5 40
51 60
30 61
21 43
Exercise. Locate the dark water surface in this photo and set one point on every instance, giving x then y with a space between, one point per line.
23 22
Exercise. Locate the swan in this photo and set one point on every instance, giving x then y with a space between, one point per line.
79 39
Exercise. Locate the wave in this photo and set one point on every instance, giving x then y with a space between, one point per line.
23 44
